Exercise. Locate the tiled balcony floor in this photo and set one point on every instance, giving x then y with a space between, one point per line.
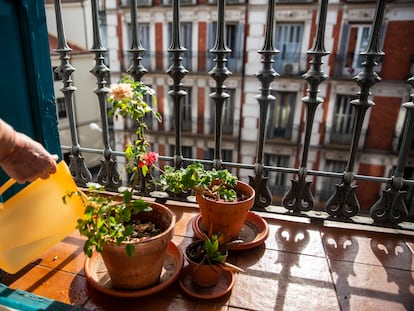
299 267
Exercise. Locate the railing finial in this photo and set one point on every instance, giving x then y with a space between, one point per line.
136 69
299 197
177 73
344 202
391 206
219 73
266 75
77 166
108 175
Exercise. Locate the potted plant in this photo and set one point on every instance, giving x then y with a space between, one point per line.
207 260
224 200
131 234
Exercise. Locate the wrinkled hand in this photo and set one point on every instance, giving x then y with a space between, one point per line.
29 160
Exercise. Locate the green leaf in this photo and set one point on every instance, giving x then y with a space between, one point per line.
127 196
144 169
130 249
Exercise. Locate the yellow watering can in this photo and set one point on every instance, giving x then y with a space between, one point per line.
36 218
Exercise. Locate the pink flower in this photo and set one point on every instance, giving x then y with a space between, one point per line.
151 158
120 91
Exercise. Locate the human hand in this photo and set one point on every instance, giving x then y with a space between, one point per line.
29 160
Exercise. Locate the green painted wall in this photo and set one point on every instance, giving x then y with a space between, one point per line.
27 99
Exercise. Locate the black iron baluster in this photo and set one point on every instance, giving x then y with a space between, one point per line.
177 73
219 73
299 197
344 202
391 206
266 75
77 165
108 175
136 69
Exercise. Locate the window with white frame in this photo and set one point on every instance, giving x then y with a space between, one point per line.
343 120
357 42
280 121
354 40
228 113
289 42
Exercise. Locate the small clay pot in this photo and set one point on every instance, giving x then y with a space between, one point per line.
202 274
226 218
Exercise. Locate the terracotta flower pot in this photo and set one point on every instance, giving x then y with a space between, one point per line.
144 269
226 217
203 275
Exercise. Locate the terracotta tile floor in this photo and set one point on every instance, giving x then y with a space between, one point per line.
299 267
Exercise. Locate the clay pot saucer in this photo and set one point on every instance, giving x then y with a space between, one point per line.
224 285
98 277
254 232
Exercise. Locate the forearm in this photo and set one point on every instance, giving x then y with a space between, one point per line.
22 158
7 140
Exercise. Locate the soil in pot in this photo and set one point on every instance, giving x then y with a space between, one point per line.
226 217
144 268
203 274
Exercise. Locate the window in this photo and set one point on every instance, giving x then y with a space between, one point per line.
104 31
357 43
143 30
186 32
228 2
61 107
354 40
56 76
234 41
343 121
281 115
126 3
186 118
182 2
186 114
289 42
277 180
187 151
328 183
149 117
226 156
228 113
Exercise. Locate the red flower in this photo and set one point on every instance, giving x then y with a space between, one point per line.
151 158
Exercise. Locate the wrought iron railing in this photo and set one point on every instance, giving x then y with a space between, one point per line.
343 204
